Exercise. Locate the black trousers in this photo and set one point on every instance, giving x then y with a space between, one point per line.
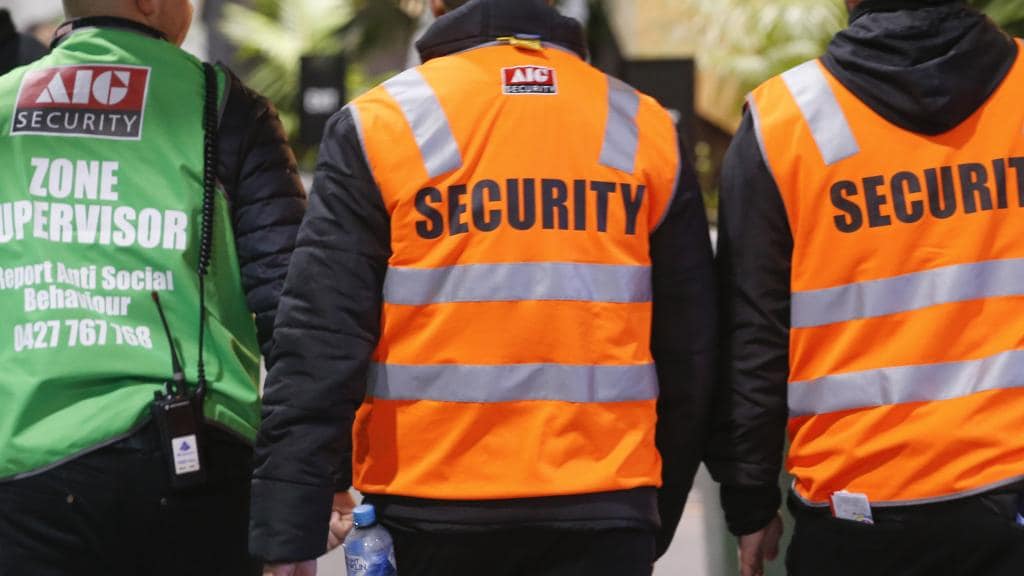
975 536
111 513
525 552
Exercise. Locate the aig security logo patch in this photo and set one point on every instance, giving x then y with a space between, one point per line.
529 80
96 101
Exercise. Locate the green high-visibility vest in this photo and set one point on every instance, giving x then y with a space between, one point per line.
101 147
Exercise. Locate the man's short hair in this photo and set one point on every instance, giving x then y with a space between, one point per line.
74 8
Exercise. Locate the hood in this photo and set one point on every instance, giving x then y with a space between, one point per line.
482 21
924 65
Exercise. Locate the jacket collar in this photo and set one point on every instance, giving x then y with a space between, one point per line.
483 21
868 6
68 28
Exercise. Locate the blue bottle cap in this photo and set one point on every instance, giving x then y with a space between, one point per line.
364 515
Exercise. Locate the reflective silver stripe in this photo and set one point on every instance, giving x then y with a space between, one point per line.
513 382
428 120
990 279
901 384
621 135
822 112
358 122
519 281
755 116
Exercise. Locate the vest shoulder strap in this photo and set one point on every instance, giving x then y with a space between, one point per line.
429 122
809 87
622 135
813 95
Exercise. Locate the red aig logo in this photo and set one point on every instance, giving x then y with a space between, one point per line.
529 80
97 101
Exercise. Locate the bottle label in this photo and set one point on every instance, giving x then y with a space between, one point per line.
380 565
355 565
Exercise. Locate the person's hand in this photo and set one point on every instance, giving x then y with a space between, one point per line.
307 568
760 546
341 519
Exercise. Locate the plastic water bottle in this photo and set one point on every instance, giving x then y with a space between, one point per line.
368 547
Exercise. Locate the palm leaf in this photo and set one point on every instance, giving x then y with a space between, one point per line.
274 35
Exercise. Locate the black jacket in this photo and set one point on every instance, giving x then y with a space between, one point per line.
330 322
258 171
924 66
16 49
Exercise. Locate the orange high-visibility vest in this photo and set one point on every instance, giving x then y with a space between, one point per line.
907 320
514 357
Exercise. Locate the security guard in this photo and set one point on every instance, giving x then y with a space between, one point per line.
873 265
138 184
506 270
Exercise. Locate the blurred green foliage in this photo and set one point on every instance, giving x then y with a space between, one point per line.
1007 13
753 40
272 36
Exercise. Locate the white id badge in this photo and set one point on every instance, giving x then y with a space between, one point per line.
852 506
186 454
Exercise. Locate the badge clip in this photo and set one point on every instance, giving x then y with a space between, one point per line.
852 506
523 41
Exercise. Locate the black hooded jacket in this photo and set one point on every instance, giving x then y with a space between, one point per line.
16 49
330 323
924 65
